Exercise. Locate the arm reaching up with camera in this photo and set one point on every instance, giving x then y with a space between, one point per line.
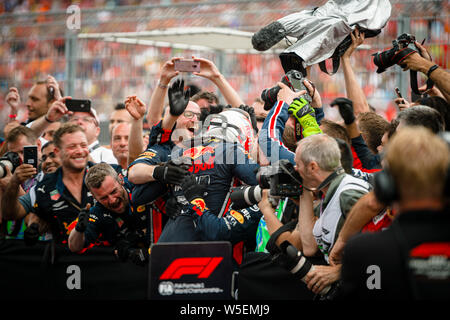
12 209
209 71
422 63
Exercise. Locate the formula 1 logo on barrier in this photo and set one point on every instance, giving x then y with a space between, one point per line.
201 266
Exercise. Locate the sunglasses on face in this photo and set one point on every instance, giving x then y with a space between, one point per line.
190 114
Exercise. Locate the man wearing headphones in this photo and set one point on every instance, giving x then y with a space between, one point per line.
409 260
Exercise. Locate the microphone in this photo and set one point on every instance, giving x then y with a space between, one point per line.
268 36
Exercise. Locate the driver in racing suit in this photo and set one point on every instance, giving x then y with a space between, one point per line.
215 159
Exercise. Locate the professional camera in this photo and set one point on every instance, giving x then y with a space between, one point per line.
10 160
297 264
281 179
390 57
293 79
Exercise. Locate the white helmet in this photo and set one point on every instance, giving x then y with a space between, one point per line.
232 125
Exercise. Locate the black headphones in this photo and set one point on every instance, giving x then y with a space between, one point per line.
384 185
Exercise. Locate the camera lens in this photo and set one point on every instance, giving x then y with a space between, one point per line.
244 197
269 96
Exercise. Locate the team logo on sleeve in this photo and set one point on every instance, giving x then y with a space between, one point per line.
237 216
147 155
54 195
199 204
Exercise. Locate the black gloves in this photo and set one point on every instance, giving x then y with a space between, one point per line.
178 98
138 256
83 219
173 208
345 109
126 248
169 173
31 234
191 189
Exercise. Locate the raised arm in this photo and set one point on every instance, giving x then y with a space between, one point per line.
361 214
56 111
353 88
12 209
136 108
209 71
440 77
13 100
156 106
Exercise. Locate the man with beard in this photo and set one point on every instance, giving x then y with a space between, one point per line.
59 196
111 220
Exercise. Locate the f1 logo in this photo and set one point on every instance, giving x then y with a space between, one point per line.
202 267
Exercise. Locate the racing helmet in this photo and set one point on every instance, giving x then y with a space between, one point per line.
232 125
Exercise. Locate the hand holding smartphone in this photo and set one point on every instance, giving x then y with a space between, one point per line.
187 65
78 105
30 155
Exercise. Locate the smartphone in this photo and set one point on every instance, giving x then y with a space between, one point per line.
397 91
187 65
78 105
30 155
51 93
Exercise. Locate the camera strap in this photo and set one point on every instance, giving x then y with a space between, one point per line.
402 55
336 63
327 180
414 82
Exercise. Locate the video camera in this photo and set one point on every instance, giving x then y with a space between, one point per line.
10 160
388 58
294 80
281 179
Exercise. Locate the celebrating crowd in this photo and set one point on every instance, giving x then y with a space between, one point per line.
199 175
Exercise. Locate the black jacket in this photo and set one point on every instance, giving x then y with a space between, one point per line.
401 262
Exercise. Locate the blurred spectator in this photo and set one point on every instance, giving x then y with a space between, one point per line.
372 127
205 99
421 116
119 115
50 130
119 143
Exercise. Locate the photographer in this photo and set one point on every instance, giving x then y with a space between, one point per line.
318 162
